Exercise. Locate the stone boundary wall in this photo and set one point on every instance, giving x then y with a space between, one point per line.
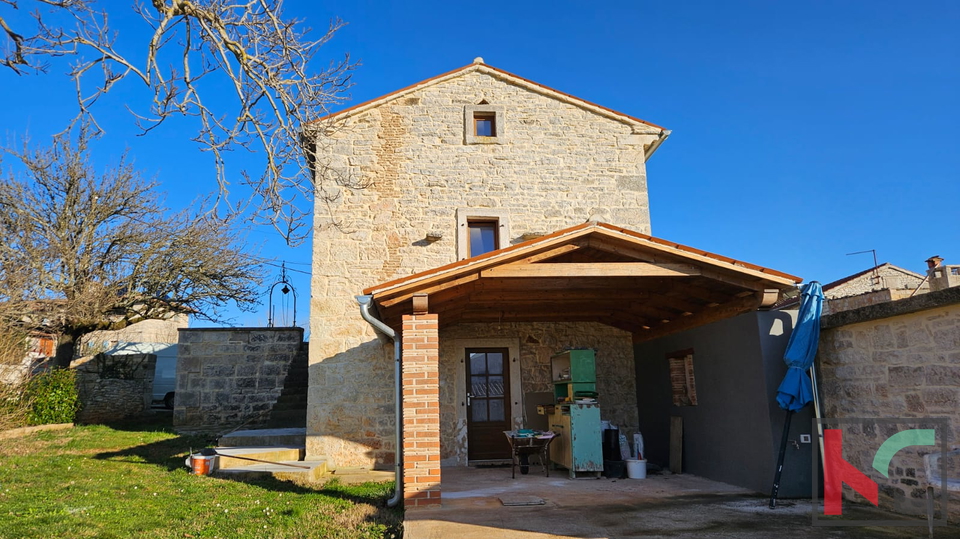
228 377
895 360
114 387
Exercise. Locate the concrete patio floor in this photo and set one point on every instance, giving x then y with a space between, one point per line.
658 506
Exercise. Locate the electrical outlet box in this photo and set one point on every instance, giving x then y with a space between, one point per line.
804 438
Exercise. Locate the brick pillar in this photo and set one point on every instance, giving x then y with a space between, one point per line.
421 410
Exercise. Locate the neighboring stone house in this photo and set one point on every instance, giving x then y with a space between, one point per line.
881 284
165 330
505 218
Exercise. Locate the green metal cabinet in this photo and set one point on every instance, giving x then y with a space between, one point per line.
573 370
579 447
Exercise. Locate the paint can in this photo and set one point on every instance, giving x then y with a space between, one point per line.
636 469
201 464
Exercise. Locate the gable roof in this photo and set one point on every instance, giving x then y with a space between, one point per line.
887 265
791 302
589 272
479 66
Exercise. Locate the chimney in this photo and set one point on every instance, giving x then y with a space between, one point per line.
934 262
942 276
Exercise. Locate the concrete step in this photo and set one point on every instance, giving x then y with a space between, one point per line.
265 437
273 454
315 470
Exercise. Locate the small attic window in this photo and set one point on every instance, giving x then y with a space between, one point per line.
483 124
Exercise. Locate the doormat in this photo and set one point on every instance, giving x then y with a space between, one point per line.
521 500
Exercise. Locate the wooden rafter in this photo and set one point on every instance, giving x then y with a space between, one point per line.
720 312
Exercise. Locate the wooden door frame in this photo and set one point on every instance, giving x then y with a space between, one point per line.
460 347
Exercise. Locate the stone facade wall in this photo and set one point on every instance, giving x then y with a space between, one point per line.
114 387
231 376
896 360
557 165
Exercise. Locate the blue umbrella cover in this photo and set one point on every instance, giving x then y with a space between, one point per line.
795 391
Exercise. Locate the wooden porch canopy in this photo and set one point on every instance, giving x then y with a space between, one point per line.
592 272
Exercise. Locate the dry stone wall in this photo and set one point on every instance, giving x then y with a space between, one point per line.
227 377
113 387
555 165
896 360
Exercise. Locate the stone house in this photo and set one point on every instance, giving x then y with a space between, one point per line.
880 284
501 218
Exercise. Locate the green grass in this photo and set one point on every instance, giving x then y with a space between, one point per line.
125 481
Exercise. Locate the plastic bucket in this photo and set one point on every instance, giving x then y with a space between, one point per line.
202 465
637 469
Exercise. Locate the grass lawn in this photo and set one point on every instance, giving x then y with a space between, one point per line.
130 480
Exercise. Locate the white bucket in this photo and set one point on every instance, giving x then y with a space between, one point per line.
637 469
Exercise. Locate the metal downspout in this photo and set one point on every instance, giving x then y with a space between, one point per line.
365 302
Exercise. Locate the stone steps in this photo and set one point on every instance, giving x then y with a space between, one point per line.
279 446
285 437
273 454
314 471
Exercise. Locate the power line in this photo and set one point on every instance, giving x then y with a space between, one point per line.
275 263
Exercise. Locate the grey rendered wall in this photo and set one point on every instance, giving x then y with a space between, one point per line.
733 434
774 332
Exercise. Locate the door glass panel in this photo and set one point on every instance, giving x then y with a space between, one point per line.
495 363
478 364
495 386
496 410
478 386
479 410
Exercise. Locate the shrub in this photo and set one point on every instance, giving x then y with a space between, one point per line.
53 397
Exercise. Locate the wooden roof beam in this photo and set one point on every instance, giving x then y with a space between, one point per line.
592 269
526 295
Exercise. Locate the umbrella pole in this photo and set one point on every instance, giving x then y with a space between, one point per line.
783 451
816 408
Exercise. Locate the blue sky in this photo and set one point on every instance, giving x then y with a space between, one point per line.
802 131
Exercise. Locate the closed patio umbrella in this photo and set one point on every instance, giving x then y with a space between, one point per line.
796 391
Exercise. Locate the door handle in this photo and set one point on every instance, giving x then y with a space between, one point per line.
469 396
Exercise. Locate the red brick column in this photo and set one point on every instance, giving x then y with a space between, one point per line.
421 410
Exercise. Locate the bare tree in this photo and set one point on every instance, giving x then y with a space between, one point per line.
86 251
265 58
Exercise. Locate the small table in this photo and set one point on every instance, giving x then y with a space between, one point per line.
524 443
